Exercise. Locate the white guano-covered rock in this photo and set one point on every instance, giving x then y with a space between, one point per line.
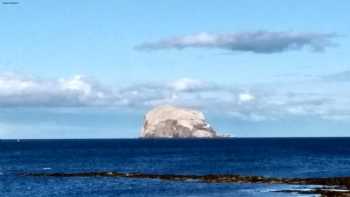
174 122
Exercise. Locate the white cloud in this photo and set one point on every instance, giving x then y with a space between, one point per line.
256 42
187 84
246 97
238 102
76 83
18 90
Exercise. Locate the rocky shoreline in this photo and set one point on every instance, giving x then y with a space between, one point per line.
332 186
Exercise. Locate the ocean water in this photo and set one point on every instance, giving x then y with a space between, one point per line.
274 157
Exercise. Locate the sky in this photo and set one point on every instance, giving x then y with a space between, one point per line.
92 69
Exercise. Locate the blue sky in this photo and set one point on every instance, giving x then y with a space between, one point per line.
71 69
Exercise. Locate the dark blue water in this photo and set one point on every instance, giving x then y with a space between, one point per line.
278 157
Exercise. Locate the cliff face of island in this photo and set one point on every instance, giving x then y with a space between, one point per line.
174 122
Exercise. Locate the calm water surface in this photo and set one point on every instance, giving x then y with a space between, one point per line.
277 157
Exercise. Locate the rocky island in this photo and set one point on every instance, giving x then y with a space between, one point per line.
175 122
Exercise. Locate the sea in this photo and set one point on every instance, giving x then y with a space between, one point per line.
271 157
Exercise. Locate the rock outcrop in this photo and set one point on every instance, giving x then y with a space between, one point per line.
325 187
174 122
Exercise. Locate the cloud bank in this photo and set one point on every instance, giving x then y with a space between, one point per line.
18 90
245 103
263 42
343 76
